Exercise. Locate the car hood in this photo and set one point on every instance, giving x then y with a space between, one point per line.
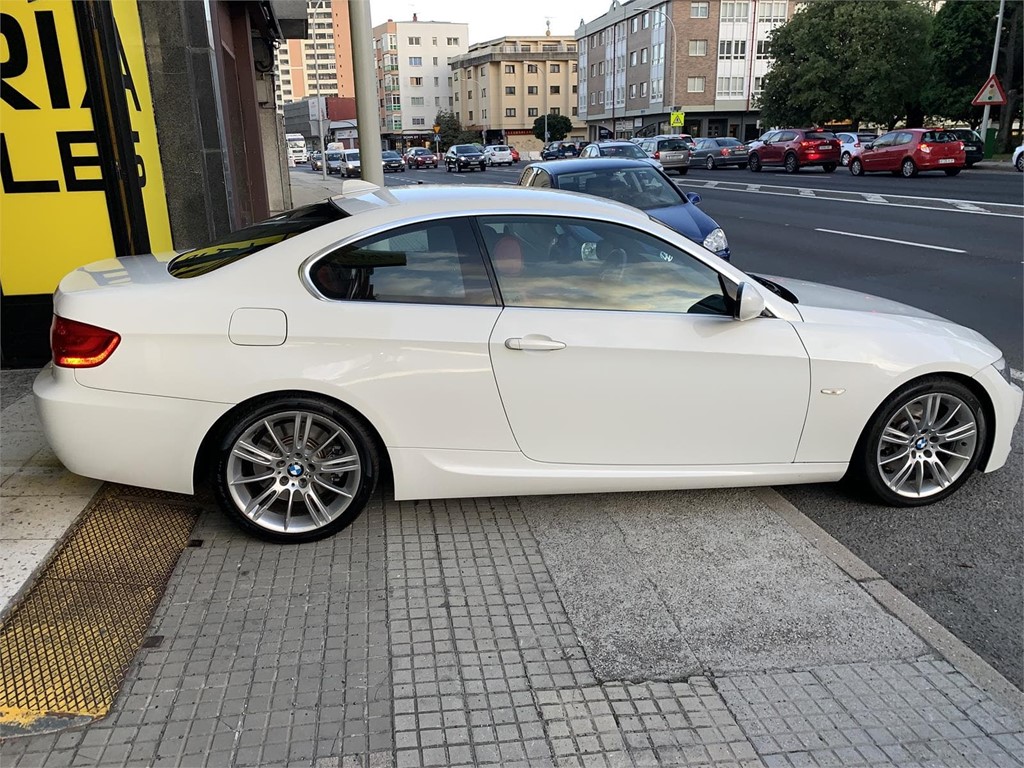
686 219
820 303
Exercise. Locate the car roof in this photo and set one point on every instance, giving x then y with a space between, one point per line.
583 164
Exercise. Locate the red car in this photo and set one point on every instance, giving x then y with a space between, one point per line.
515 153
420 157
907 151
795 148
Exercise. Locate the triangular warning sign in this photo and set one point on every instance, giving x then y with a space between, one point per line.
991 93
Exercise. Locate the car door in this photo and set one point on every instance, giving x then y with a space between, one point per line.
874 159
617 348
770 151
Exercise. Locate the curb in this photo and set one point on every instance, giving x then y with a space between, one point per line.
945 643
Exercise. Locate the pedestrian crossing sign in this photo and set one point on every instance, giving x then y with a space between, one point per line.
677 119
991 93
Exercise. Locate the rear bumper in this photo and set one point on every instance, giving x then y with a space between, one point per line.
119 437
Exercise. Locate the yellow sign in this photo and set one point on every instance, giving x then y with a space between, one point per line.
53 211
677 119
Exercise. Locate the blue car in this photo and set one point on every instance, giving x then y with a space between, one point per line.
636 183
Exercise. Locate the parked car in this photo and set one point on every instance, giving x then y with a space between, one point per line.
618 148
371 331
316 160
636 183
673 152
498 154
420 157
556 150
464 157
848 142
1018 158
392 161
793 149
350 166
335 160
719 152
515 153
910 150
974 147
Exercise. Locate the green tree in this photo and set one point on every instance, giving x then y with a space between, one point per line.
451 128
559 127
961 44
838 60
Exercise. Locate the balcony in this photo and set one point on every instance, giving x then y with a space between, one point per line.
393 108
392 88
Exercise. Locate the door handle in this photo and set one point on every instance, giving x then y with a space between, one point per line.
534 344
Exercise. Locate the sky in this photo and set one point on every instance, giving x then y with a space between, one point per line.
488 20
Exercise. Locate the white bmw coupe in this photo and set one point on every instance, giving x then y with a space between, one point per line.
488 341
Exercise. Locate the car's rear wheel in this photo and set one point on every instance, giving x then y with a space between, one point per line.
682 171
742 166
951 171
792 164
1019 165
710 163
754 163
856 167
922 443
828 167
296 469
907 168
844 160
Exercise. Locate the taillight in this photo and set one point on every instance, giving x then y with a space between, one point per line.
856 144
657 155
725 151
806 143
78 345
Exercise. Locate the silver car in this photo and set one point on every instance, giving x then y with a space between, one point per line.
673 152
351 166
335 160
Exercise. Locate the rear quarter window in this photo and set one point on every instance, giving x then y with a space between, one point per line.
819 135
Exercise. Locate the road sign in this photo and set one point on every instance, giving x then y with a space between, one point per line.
677 119
991 93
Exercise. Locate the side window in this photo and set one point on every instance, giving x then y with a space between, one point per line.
583 264
885 140
904 138
541 179
434 262
785 136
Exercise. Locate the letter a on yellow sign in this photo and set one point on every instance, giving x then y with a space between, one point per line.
677 119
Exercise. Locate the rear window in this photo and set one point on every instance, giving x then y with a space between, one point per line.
939 137
499 149
729 143
819 135
243 242
673 145
965 134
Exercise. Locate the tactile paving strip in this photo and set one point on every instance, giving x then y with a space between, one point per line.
67 645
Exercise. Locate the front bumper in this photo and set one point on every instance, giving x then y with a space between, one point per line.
120 437
1006 404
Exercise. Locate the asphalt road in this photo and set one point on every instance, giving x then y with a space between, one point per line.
962 561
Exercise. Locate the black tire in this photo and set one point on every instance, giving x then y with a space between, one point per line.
683 171
792 163
856 167
754 162
969 163
710 163
844 160
907 168
829 167
1019 165
447 168
742 166
360 481
864 473
951 171
483 167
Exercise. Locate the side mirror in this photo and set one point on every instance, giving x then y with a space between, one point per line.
869 145
693 197
749 302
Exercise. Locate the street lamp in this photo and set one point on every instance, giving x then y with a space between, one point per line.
675 37
319 117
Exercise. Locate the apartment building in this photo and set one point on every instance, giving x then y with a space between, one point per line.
321 64
502 86
644 59
413 78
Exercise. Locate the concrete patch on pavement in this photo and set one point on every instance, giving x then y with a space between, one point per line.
741 589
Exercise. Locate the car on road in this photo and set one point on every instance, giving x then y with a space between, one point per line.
618 148
335 159
974 147
392 161
852 141
635 183
1018 158
350 166
487 341
673 152
316 160
498 154
515 153
464 157
793 149
908 151
420 157
556 150
719 152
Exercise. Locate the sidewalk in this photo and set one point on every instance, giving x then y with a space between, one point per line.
695 628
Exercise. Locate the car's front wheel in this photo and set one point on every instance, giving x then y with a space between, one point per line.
1019 165
844 160
754 163
857 167
710 163
922 443
296 469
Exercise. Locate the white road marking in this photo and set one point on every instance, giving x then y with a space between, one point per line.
966 206
807 193
890 240
875 199
753 187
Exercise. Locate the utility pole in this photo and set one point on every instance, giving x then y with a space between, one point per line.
992 71
366 92
320 102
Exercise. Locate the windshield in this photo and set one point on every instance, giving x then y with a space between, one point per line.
643 188
243 242
334 155
391 155
623 150
467 150
352 157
